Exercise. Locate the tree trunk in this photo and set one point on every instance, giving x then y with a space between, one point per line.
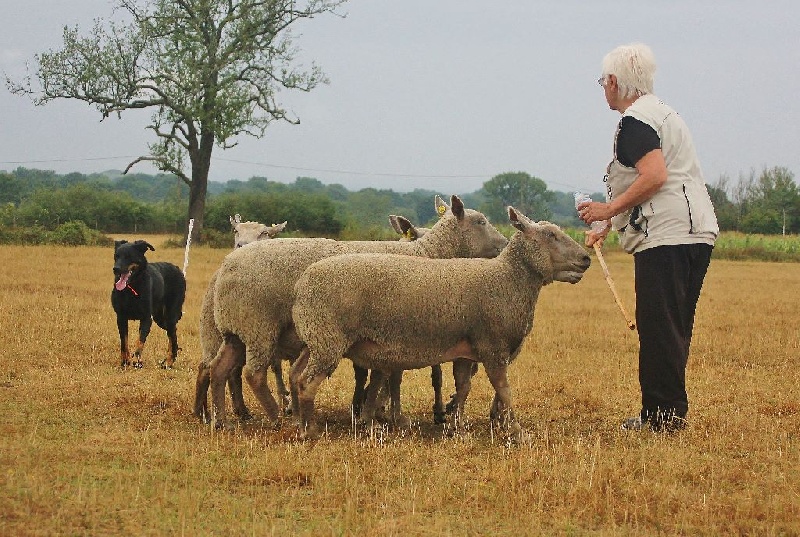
197 205
201 164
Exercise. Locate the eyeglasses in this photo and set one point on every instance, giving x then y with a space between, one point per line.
602 81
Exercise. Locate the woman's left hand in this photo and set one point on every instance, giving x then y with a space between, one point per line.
595 211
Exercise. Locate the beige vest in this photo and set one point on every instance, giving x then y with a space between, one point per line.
681 212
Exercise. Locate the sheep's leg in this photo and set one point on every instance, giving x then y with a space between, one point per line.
396 415
377 380
257 379
502 407
201 391
462 370
296 370
306 389
462 375
359 392
438 404
230 352
381 396
280 385
240 409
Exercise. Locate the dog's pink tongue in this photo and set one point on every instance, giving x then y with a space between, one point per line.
122 282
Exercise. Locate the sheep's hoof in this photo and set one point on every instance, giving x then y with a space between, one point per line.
456 425
517 435
439 414
287 405
310 432
138 364
401 421
451 405
202 415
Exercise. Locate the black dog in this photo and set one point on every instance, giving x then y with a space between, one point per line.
146 292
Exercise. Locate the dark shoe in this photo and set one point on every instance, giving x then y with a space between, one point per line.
632 424
671 424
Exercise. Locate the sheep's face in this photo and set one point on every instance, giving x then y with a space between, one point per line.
478 237
567 259
247 232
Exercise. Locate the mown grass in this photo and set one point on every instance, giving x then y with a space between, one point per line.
89 449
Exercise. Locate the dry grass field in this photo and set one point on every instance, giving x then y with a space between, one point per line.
89 449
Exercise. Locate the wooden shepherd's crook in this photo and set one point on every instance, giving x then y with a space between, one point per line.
611 286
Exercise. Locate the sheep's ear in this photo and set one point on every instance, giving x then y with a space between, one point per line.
236 220
440 206
274 229
519 220
407 229
395 225
457 206
143 246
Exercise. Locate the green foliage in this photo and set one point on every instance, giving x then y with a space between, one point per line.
78 209
308 213
526 193
73 233
76 233
736 245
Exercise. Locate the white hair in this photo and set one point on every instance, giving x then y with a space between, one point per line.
634 66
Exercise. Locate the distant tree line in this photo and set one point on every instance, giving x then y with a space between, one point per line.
110 202
766 203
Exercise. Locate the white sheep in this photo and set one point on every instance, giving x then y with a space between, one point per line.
254 292
247 232
391 313
211 338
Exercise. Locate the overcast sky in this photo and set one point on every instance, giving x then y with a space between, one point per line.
445 94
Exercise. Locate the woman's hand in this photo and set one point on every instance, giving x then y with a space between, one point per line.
595 211
593 237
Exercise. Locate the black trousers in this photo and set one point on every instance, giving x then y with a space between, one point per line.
668 283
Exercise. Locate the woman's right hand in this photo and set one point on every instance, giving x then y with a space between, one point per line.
593 237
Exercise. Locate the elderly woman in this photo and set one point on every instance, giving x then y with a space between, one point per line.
658 203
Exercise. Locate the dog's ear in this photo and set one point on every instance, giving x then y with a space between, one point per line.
117 244
143 246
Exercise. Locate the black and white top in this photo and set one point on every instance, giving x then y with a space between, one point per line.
681 211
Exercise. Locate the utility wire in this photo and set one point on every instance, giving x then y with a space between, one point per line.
284 167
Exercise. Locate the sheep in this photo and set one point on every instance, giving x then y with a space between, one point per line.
211 338
247 232
243 234
391 313
254 292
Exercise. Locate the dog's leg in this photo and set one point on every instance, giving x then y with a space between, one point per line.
172 351
144 330
122 328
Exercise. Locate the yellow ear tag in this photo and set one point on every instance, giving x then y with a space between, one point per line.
409 235
441 209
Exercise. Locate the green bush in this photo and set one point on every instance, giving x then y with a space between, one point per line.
73 233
